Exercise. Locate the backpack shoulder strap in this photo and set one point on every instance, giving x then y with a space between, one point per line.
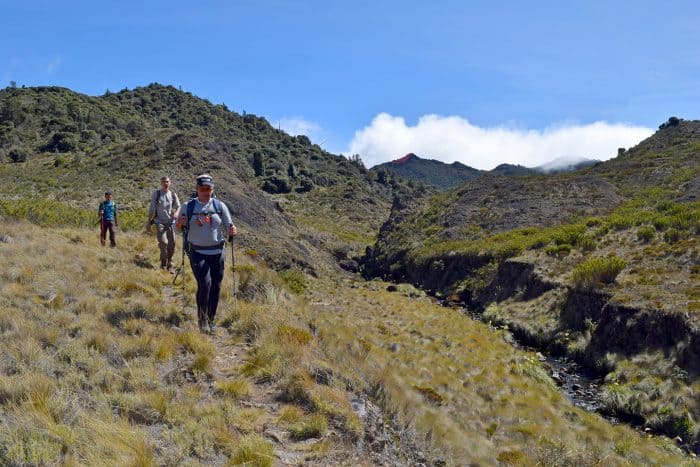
190 209
217 206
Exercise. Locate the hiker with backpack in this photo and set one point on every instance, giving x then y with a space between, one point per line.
206 222
163 213
107 211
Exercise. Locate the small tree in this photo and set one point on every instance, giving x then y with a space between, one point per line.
276 184
672 121
356 160
258 166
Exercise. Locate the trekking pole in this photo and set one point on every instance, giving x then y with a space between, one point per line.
233 276
181 269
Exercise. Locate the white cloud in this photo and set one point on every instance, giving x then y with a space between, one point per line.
299 126
453 138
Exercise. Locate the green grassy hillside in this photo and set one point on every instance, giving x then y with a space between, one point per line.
57 146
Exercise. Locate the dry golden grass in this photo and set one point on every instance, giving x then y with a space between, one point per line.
99 365
477 397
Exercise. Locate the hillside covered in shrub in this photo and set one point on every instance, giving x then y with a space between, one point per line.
601 265
58 146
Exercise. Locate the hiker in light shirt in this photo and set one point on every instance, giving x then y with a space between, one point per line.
207 222
163 213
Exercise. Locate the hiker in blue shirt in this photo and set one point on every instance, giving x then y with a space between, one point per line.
207 223
108 219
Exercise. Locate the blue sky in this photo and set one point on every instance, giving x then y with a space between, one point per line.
387 77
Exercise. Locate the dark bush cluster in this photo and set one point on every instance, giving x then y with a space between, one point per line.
671 122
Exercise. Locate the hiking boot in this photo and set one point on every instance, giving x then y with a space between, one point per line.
204 325
212 327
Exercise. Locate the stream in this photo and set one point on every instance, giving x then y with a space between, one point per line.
580 388
575 382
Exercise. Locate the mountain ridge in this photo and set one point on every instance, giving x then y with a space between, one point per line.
444 176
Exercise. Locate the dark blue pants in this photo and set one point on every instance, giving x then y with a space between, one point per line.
209 272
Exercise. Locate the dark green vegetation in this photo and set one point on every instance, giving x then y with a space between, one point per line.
601 265
446 176
431 172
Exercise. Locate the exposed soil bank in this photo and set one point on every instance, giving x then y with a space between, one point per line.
584 326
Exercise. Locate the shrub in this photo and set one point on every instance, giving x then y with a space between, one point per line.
646 234
671 122
587 243
276 184
597 271
558 250
258 165
295 280
684 427
305 185
660 224
568 234
61 142
17 155
672 236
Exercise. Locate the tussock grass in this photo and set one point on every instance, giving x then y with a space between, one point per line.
235 388
97 369
253 450
471 393
313 426
102 377
597 271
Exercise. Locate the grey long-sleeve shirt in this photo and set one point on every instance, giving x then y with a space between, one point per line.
206 228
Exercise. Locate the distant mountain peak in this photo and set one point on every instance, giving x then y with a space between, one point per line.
431 172
403 160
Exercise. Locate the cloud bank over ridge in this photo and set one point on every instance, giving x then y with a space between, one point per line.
452 138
